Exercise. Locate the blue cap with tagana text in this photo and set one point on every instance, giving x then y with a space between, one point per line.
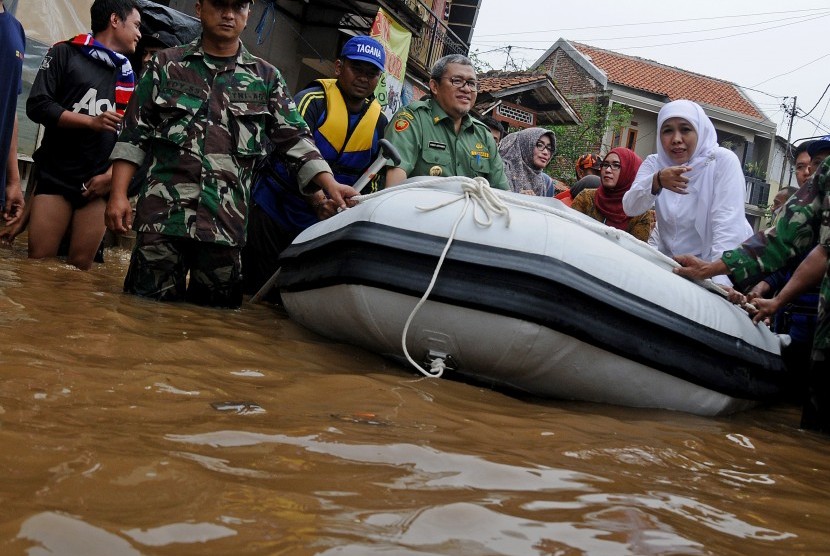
364 49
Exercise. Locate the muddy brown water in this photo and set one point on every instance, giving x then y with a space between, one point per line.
134 427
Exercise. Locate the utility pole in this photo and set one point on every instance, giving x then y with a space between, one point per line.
789 136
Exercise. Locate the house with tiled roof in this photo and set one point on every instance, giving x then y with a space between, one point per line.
586 74
523 99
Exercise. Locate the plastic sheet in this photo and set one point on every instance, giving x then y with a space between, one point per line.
50 21
47 22
169 27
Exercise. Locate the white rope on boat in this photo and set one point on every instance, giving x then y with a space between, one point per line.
478 192
505 198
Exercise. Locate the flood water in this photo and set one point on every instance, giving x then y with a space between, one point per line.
134 427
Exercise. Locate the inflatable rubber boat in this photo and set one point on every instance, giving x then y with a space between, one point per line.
526 293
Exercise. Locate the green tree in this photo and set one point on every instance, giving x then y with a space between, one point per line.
572 141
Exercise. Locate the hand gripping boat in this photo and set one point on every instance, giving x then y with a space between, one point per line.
528 294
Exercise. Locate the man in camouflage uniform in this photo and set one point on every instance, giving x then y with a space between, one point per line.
202 112
804 227
438 137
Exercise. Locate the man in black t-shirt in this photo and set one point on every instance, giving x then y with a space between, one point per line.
79 96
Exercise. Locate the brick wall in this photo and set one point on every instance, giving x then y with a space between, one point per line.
580 89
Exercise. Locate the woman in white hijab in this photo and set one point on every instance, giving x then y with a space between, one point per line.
696 186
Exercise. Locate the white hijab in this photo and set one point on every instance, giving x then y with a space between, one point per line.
707 137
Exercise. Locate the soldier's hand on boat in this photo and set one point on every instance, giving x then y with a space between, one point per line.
119 214
735 296
759 290
672 179
324 208
766 308
339 193
527 192
696 268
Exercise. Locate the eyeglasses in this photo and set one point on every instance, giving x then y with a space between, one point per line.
459 82
540 146
613 166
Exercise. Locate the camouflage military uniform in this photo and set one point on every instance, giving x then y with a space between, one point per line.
804 223
204 122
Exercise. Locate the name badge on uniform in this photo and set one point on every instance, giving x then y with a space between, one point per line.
437 145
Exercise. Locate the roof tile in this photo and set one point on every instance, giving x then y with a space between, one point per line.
674 83
497 80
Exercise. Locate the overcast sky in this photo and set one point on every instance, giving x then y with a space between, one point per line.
781 49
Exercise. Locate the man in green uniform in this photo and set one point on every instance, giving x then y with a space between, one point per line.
803 227
202 113
438 137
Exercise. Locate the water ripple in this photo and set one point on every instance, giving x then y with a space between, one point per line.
430 468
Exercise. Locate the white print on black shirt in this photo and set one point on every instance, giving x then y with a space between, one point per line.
91 105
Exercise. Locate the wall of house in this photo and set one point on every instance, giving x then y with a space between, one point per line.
301 54
780 161
642 131
573 81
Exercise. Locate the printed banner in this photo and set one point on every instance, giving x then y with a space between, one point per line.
395 40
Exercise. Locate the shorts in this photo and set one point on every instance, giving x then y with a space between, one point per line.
160 264
74 197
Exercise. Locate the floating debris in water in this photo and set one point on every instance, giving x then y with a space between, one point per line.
164 387
363 418
240 408
247 372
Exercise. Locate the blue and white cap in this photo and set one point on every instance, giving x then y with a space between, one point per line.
820 144
365 49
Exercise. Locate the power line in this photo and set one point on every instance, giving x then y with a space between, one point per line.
723 37
822 114
793 70
720 17
675 33
817 123
674 43
819 100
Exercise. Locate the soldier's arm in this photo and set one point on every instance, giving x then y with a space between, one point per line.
119 213
808 275
795 233
140 118
291 139
130 150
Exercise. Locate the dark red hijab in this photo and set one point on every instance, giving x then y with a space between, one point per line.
609 201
